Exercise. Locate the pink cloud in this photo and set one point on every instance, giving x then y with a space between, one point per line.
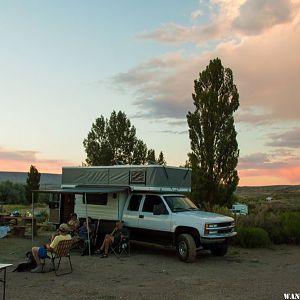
281 176
20 161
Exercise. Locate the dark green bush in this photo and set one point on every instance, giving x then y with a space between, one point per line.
281 226
290 224
252 237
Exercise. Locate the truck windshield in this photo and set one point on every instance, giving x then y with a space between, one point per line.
180 203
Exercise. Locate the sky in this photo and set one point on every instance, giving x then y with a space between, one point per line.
64 63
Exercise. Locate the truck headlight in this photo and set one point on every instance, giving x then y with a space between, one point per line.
208 227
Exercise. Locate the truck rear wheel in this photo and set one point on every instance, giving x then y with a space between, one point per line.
186 247
219 250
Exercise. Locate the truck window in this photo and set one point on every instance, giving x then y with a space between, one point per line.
134 202
150 201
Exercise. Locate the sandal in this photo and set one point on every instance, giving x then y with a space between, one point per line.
98 251
104 256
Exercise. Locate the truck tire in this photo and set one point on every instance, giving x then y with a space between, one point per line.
186 248
219 250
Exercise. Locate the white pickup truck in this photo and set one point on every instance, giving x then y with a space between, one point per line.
173 219
150 201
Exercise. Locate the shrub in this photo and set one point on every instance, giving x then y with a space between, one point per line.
282 227
252 237
290 222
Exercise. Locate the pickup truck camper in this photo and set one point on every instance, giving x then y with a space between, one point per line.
151 202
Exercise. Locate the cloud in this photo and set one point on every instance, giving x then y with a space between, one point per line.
175 131
228 19
254 119
289 139
278 167
17 155
20 160
281 176
197 13
160 92
265 68
258 15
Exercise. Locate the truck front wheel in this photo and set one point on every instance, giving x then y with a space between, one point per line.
219 250
186 247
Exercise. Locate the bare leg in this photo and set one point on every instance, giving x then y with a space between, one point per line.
36 255
108 243
104 242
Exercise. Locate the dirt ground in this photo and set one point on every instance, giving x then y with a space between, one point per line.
153 272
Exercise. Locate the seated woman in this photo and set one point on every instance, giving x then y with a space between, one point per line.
113 238
43 251
73 224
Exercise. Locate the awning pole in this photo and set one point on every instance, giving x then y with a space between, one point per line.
87 223
118 207
32 216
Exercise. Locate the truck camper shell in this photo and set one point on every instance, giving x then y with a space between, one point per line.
155 178
101 191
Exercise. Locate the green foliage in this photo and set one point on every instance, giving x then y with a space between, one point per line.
281 226
252 237
32 183
43 216
161 160
112 141
291 226
220 210
12 192
212 134
151 156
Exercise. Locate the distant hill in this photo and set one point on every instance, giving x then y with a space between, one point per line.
268 189
47 180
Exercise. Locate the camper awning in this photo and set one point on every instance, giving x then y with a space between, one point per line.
84 190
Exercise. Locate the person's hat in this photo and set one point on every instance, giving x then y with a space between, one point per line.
64 227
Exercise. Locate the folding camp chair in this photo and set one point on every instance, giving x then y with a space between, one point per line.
122 248
62 250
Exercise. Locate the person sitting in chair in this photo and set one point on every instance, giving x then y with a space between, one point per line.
43 251
113 238
73 224
86 233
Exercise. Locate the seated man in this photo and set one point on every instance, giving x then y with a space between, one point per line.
86 231
43 251
114 238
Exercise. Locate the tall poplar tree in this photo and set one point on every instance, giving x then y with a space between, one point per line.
32 183
214 146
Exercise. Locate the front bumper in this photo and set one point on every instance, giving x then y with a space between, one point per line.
216 239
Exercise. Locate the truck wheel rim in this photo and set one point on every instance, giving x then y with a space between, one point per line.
182 248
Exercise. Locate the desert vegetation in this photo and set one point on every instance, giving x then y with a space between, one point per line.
273 221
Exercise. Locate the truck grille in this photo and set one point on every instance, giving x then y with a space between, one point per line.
220 228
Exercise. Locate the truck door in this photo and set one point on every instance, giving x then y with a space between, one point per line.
131 211
154 223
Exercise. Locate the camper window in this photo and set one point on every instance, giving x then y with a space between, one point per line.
134 203
96 199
